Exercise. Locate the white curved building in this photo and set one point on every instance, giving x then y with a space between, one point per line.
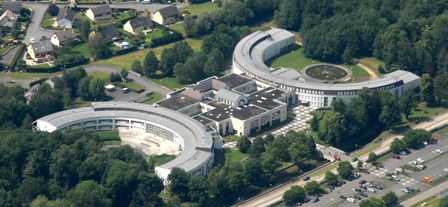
254 50
192 137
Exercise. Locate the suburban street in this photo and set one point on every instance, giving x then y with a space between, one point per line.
34 30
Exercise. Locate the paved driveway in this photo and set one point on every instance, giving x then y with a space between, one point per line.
7 58
34 30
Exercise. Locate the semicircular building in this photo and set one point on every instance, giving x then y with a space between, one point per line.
254 50
193 138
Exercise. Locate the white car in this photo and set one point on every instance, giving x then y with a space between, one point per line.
400 170
413 162
371 190
420 167
446 169
420 160
439 151
32 40
405 190
403 153
425 143
351 200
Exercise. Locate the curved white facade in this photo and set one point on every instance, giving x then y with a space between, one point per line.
254 50
192 137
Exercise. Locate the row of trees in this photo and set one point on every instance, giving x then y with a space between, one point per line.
64 169
412 139
373 110
390 199
297 193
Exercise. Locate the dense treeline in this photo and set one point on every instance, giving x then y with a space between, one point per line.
373 110
409 34
70 169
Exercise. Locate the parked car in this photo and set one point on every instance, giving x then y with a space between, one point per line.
342 197
396 156
354 159
362 181
399 169
315 200
425 143
405 190
413 162
306 178
363 194
351 200
371 190
434 140
358 197
439 151
403 153
32 40
420 160
427 179
446 169
378 187
125 90
421 167
357 189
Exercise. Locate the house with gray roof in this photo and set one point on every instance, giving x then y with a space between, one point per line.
13 6
139 23
166 15
109 32
41 51
66 18
62 38
8 19
99 13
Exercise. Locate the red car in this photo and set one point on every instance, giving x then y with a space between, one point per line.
362 182
396 156
434 140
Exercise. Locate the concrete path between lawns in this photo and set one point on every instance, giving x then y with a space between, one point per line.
368 70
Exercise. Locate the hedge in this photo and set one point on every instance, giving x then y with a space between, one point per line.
169 36
52 69
17 56
40 80
125 51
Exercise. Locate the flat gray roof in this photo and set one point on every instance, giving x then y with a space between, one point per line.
248 55
192 132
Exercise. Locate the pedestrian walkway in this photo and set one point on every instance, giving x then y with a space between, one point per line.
299 123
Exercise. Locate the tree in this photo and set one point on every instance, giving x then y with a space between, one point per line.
83 26
444 202
243 144
98 45
115 77
30 188
390 111
212 67
415 137
427 89
359 164
441 86
198 190
390 199
21 65
53 9
288 15
337 129
45 103
298 152
253 170
121 180
137 67
331 179
179 179
269 138
345 169
312 188
294 195
407 104
234 176
314 123
89 193
257 147
151 63
268 163
398 145
372 202
372 157
168 60
124 73
91 89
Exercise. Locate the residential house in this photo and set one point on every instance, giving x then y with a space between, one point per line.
41 51
166 15
99 13
62 38
13 6
33 90
51 81
139 23
8 19
109 32
66 18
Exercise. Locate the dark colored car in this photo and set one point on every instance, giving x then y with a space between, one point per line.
358 190
315 200
358 197
396 156
342 197
363 194
378 187
354 159
306 178
362 182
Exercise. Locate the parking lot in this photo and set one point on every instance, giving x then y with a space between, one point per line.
118 95
435 161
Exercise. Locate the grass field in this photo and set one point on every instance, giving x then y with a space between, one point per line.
179 27
10 85
168 82
155 97
323 170
357 72
295 59
421 113
233 155
432 201
195 44
83 49
104 76
4 49
197 9
19 75
372 63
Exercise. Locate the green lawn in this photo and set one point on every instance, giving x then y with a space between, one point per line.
323 170
134 87
168 82
4 49
357 72
154 34
47 22
9 85
372 63
78 103
83 49
195 44
155 97
179 27
367 149
104 76
231 138
233 155
421 113
432 201
198 9
112 142
295 59
19 75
